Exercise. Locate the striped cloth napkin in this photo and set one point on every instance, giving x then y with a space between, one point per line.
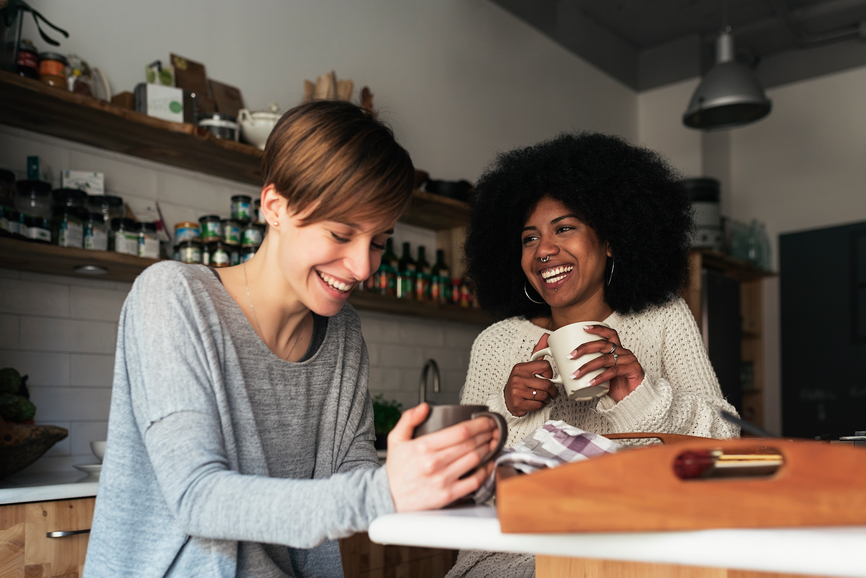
553 444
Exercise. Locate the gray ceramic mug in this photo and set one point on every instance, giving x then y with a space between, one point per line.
442 416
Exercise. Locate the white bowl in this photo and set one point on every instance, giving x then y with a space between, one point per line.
256 126
98 449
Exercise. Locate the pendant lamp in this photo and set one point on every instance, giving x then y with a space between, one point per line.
729 95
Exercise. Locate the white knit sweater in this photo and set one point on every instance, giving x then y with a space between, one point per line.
680 393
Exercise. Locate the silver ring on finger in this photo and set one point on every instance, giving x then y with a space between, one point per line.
615 357
612 347
533 394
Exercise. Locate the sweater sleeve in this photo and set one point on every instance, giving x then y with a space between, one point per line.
171 347
686 398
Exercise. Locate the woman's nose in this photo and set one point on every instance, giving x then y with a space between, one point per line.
546 248
359 262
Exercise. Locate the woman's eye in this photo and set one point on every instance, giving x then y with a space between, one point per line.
377 246
564 229
529 239
338 238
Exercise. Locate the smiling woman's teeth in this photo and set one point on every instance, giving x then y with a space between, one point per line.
333 283
556 273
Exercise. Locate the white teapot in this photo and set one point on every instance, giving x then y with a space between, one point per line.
256 126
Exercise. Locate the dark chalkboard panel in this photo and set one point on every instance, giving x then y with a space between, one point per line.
822 280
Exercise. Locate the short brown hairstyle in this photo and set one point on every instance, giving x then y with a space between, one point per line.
336 156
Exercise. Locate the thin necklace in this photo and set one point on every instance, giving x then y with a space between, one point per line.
259 325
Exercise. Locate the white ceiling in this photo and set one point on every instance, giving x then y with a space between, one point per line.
649 43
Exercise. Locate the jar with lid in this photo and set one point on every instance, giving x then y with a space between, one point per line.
189 252
252 235
34 198
28 59
8 221
148 241
231 232
242 208
220 255
69 198
220 125
258 216
211 228
36 229
67 226
95 233
186 231
123 237
235 255
247 253
109 206
52 69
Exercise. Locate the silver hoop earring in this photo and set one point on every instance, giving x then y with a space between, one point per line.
530 298
612 265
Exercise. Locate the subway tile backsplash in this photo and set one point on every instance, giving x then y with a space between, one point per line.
61 331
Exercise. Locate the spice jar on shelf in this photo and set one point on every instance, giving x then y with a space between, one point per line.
8 214
148 241
28 59
242 208
95 233
109 206
123 237
33 202
187 231
211 228
52 69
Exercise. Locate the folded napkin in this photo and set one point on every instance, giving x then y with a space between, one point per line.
553 444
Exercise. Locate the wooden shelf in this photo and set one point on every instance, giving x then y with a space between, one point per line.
740 270
53 260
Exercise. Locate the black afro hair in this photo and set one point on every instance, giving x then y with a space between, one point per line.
628 194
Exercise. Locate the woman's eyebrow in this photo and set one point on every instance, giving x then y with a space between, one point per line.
558 219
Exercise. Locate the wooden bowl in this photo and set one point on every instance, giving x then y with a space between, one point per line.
21 445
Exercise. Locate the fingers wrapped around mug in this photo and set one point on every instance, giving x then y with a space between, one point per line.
621 367
528 388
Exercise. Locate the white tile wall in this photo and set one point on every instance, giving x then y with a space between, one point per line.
61 331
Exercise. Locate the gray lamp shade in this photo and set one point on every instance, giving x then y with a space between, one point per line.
729 95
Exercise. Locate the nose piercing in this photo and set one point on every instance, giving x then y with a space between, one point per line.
544 259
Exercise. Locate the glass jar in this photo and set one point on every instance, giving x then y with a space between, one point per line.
69 198
211 228
148 241
36 229
95 233
206 251
123 237
252 235
67 226
220 255
28 59
242 208
52 69
34 199
258 216
186 231
247 253
231 232
8 221
109 206
189 252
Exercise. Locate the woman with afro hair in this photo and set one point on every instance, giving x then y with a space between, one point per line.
585 227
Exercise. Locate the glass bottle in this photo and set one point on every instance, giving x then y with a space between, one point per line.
440 279
406 274
386 277
422 275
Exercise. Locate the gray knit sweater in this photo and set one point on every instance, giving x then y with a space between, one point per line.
223 459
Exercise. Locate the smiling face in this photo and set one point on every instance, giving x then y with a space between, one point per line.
571 281
324 261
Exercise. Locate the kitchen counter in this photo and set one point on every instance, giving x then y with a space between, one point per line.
21 488
824 551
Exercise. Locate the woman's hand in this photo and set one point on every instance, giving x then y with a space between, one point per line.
426 473
524 392
622 367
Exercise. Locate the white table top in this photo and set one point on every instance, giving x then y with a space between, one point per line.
21 488
824 551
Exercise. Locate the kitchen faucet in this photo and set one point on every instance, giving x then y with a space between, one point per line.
422 388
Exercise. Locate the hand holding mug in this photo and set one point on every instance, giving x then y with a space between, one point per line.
528 387
436 469
612 362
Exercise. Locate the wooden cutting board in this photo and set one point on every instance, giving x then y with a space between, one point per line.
818 484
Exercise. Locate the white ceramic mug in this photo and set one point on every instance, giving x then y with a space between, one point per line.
562 342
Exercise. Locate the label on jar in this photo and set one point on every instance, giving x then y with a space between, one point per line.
71 234
185 234
38 234
28 59
126 243
241 210
248 254
7 222
211 231
52 68
252 237
95 239
220 258
231 233
148 247
189 255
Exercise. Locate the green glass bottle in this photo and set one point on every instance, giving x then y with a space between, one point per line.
422 276
406 274
386 281
440 279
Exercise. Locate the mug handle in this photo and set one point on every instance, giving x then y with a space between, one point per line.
503 433
542 353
